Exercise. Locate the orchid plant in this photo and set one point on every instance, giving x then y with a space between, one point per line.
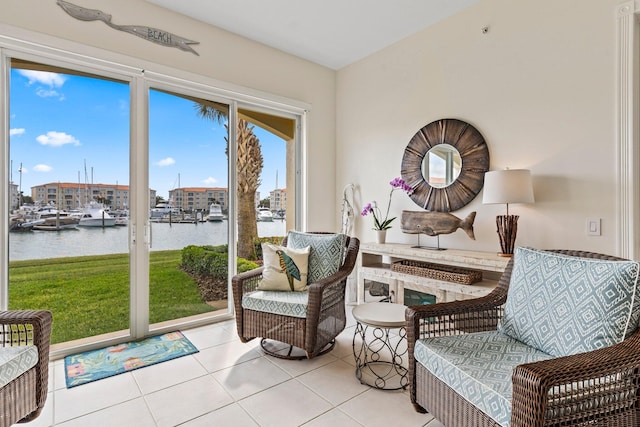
380 223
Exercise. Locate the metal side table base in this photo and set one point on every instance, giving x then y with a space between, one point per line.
378 359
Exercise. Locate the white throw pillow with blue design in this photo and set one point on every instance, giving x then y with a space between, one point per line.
565 305
325 255
285 269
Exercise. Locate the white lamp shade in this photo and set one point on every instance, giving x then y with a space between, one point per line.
508 186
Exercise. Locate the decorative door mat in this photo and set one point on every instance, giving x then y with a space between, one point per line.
106 362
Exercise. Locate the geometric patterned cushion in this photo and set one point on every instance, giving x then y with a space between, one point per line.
478 367
293 304
326 254
15 361
564 305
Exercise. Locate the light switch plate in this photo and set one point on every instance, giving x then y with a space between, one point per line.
593 226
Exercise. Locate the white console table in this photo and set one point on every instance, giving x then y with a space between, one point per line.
375 259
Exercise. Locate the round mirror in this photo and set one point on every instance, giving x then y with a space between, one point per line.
441 166
453 184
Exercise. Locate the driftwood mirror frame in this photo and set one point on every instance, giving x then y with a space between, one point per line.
475 162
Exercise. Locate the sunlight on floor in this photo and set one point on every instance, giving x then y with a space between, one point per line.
231 383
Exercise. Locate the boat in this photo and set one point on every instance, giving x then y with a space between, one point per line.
280 214
49 211
264 215
95 215
58 223
163 210
122 218
18 223
215 213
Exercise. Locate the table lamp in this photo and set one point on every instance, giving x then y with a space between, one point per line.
507 186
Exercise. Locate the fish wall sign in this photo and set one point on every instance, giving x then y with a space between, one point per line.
154 35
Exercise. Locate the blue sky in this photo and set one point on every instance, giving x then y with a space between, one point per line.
59 122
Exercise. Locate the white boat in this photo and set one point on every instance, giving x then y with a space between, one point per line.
264 215
164 210
215 213
122 218
96 216
50 211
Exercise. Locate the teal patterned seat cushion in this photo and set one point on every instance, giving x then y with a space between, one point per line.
293 304
15 361
564 305
326 253
478 367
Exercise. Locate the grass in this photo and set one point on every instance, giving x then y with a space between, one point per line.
90 295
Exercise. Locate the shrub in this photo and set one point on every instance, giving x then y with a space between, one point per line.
276 240
211 261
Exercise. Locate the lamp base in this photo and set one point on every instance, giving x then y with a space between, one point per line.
507 230
505 255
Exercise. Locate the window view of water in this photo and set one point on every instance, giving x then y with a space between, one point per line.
110 240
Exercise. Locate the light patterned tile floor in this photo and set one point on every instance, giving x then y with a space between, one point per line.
231 383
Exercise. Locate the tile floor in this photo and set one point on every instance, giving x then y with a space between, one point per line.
231 383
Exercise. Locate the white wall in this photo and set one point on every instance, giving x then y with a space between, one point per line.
223 56
540 87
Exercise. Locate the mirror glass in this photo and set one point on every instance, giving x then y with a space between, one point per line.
441 166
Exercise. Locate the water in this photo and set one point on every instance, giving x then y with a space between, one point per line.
98 241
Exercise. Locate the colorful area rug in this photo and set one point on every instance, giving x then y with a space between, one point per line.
106 362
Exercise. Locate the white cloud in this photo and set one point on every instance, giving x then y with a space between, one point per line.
16 131
210 180
42 168
48 93
57 139
165 162
43 77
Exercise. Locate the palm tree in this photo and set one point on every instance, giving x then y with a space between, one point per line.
249 167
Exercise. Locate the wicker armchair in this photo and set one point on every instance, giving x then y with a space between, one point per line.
556 392
325 316
23 398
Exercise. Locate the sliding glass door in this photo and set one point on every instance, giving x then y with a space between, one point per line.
133 197
69 174
189 213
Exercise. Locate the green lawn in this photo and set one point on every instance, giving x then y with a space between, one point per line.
90 295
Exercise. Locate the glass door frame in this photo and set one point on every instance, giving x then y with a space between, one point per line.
143 224
27 46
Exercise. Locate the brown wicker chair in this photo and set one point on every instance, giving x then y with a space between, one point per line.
542 392
22 399
316 333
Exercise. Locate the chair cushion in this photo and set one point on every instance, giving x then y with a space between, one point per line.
478 367
285 269
15 361
293 304
326 253
564 305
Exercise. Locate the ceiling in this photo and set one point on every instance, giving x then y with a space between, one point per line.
333 33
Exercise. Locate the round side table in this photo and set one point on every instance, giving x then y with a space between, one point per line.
378 359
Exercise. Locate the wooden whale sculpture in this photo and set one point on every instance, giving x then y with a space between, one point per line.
435 223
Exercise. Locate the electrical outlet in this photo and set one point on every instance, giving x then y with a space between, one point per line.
593 226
